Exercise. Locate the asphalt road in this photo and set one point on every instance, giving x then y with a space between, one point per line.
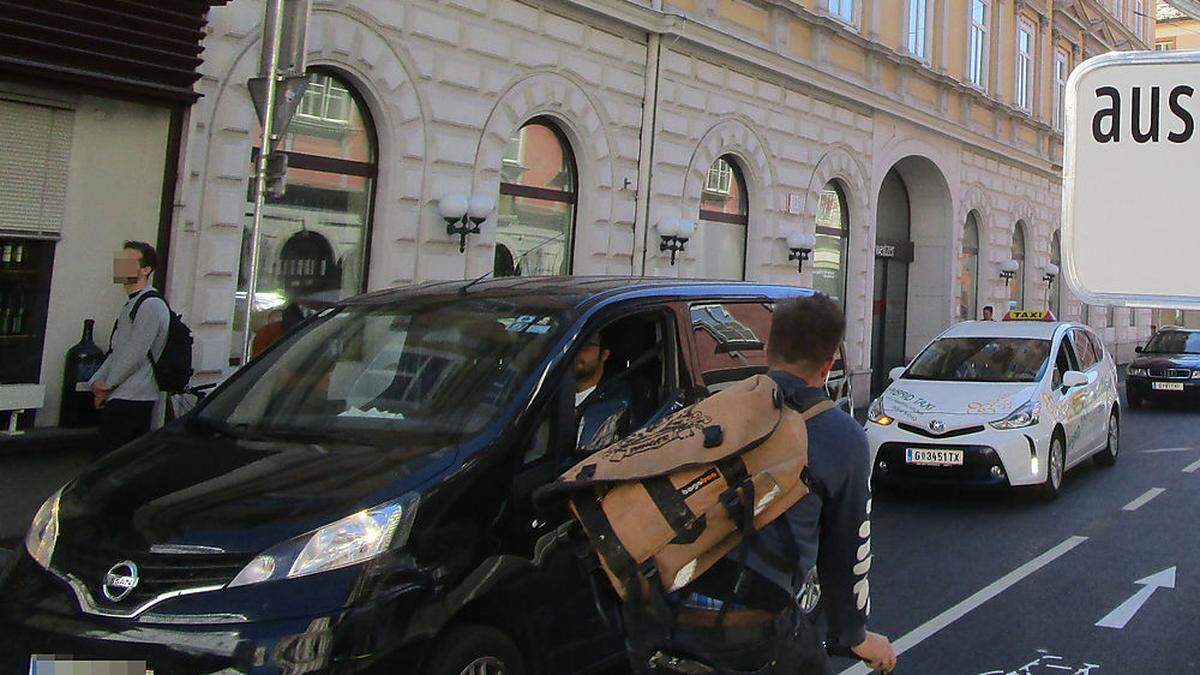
1005 584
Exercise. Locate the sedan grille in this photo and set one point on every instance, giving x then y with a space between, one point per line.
948 434
1171 373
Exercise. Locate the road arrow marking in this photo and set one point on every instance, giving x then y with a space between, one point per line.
1193 467
1141 501
1123 613
1162 450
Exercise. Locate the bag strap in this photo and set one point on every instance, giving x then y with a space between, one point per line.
817 409
144 297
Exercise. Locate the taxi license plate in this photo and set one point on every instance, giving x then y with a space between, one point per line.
1167 386
930 457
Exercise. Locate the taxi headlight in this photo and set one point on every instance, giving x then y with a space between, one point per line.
876 415
43 532
1024 416
1144 372
356 538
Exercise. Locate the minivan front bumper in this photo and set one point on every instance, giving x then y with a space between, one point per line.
42 617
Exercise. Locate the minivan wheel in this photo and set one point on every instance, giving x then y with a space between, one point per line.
1108 456
475 650
1056 467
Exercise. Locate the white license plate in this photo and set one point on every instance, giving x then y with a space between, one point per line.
1167 386
930 457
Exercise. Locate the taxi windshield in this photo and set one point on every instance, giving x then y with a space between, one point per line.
982 359
365 372
1174 342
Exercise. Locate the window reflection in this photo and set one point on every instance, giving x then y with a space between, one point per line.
536 211
829 257
968 273
720 239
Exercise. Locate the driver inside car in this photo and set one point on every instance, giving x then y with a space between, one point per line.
603 407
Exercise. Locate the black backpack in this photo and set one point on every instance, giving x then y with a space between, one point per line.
173 369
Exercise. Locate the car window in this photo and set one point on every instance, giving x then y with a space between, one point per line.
639 377
1097 346
1083 349
1174 342
730 341
1063 361
981 359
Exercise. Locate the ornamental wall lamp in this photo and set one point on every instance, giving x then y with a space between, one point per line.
1051 273
464 215
675 233
1008 270
801 244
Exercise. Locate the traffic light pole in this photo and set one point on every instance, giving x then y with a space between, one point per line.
275 26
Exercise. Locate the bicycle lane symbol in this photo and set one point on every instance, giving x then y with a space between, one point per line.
1046 663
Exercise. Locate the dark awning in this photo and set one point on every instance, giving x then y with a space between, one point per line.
141 48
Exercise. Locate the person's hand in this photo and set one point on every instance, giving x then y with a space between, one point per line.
100 392
877 651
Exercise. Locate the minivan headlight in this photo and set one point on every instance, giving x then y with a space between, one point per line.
43 532
356 538
1139 372
876 415
1024 416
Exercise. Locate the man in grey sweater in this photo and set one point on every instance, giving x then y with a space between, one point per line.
124 387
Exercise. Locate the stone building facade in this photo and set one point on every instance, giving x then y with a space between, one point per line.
908 118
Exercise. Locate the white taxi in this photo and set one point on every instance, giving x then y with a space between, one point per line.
1007 404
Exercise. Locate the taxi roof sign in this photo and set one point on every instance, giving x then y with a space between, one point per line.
1131 162
1029 315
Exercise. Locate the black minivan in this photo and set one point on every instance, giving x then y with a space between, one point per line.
359 498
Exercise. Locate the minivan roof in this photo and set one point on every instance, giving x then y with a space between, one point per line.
581 292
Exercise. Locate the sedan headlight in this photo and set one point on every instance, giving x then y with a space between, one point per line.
43 533
1145 372
876 415
1196 374
354 539
1024 416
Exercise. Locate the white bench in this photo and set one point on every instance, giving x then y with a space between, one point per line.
16 399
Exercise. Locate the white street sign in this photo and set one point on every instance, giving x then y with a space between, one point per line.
1131 180
1123 613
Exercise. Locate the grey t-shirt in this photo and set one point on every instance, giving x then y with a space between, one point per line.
127 368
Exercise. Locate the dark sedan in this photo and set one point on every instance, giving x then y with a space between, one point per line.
1167 367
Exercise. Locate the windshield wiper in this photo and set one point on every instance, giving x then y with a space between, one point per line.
219 427
316 436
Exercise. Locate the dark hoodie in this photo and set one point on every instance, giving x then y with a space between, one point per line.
831 525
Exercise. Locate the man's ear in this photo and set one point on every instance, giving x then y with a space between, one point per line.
604 354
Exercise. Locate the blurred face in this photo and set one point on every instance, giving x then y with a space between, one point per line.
127 267
987 312
589 364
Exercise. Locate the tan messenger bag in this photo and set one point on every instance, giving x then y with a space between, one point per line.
663 505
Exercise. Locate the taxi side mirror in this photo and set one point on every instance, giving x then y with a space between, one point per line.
895 373
1074 378
1139 349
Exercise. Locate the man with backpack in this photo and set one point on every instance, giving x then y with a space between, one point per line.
125 388
831 525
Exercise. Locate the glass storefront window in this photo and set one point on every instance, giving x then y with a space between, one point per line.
1016 298
968 266
833 237
724 217
536 213
312 241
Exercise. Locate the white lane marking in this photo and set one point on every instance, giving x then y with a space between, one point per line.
1141 501
1125 611
1162 450
937 623
1193 467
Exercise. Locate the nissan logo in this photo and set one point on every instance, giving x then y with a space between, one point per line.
120 580
937 426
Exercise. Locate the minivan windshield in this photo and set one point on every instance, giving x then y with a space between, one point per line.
364 372
982 359
1174 342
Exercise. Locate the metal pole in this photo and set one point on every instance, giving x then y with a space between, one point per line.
274 8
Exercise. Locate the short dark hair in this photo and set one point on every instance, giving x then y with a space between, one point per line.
806 330
988 308
149 257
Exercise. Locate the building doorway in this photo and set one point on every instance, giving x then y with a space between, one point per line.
915 269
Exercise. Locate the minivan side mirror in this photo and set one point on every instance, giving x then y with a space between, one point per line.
1074 378
1139 349
895 373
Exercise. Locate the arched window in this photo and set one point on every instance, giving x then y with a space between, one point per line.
535 222
725 217
313 240
968 266
1016 298
833 238
1055 290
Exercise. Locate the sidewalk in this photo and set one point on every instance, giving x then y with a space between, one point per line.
32 466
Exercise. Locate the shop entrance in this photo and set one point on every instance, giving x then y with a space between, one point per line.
914 271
